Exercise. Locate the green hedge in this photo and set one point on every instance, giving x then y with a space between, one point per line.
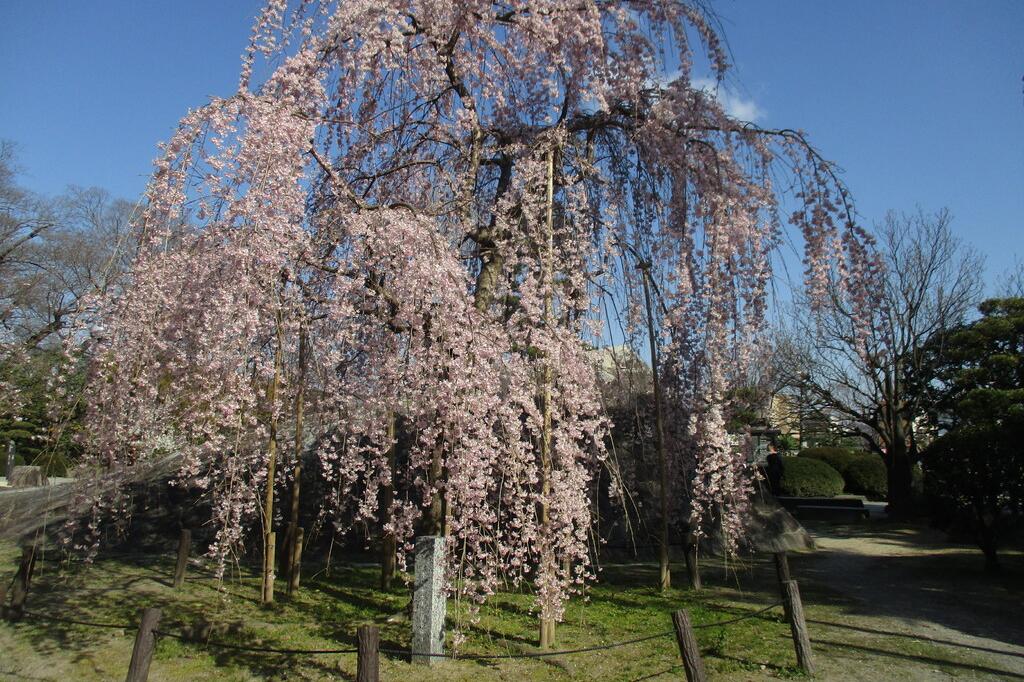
809 477
863 472
839 459
867 476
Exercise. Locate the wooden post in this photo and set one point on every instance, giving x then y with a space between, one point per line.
22 581
797 624
145 645
782 571
184 546
295 561
692 663
368 661
692 565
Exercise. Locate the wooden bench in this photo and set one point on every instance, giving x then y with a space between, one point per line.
826 508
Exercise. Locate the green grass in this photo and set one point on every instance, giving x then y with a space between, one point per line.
328 609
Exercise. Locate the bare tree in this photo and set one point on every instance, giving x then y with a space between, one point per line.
868 385
22 218
1011 283
86 251
54 252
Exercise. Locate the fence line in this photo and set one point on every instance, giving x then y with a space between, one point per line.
148 633
241 647
395 652
92 624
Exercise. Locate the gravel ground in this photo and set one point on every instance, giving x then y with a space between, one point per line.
928 597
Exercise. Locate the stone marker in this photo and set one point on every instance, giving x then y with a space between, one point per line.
428 600
26 477
9 469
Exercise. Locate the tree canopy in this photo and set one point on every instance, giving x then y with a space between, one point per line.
432 199
977 464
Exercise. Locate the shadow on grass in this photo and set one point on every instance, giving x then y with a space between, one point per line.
112 592
972 667
922 638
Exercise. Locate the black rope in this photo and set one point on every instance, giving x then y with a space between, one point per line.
57 619
536 654
261 650
397 652
739 618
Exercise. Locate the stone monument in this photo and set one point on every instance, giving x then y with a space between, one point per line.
428 601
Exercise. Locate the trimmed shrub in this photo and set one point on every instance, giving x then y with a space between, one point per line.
867 476
809 477
838 458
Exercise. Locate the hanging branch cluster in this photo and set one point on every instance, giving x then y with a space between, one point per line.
435 194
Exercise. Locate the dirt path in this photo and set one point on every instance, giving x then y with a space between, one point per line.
901 602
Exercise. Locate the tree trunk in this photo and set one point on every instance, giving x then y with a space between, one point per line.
547 625
435 516
986 537
898 468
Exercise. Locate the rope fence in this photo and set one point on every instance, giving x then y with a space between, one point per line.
153 633
368 636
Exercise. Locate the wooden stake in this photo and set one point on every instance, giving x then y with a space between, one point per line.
184 547
782 572
368 661
688 650
798 626
22 581
145 645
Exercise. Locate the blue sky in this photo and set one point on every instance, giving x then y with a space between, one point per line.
921 102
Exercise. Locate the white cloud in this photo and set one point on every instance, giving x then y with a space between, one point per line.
735 104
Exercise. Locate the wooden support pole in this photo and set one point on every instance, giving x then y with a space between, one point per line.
368 662
688 650
692 565
184 547
268 567
797 624
782 572
145 645
295 561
